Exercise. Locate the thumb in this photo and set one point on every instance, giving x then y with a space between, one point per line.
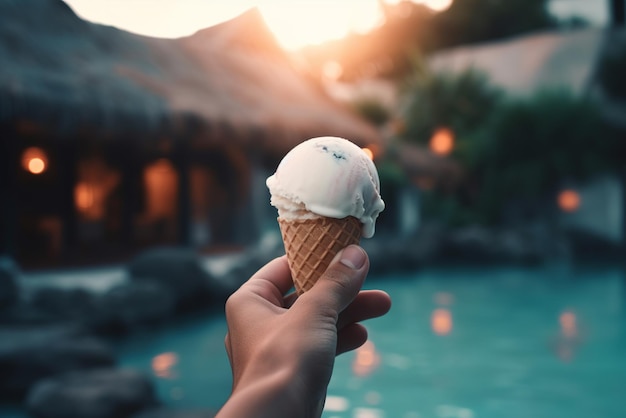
340 283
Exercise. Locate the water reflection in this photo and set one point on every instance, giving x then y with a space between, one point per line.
366 359
451 411
177 393
163 365
368 413
444 298
568 324
373 397
568 339
441 321
336 404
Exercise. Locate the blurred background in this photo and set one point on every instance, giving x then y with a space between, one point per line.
136 137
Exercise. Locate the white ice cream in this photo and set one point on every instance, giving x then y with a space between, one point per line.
327 176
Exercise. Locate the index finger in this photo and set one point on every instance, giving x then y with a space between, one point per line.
272 281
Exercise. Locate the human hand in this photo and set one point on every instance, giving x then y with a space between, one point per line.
282 349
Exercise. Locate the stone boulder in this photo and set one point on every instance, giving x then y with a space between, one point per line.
9 275
131 305
25 314
63 304
103 393
528 245
472 244
182 273
33 353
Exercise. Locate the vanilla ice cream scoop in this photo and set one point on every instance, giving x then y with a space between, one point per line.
327 177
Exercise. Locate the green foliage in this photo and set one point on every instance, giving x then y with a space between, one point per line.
372 110
459 102
612 71
510 148
469 21
409 27
530 146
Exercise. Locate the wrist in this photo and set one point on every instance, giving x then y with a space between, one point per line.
276 394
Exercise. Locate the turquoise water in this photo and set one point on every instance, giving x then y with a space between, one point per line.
477 343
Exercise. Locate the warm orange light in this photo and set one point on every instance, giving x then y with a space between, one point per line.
83 196
569 200
34 160
296 24
441 321
36 165
332 70
442 141
162 364
161 181
369 153
367 359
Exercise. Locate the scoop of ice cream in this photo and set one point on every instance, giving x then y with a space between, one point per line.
330 177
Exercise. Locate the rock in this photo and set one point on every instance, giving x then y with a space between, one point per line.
179 270
103 393
30 354
473 244
9 275
131 305
24 314
64 304
50 305
251 260
164 412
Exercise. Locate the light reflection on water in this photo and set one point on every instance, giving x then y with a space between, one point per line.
493 343
458 343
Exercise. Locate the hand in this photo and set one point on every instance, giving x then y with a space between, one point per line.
282 349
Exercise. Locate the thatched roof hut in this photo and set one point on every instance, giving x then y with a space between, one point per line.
229 82
141 141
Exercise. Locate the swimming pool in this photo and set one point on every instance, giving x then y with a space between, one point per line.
458 343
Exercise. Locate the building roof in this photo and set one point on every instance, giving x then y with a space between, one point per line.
231 80
524 64
529 63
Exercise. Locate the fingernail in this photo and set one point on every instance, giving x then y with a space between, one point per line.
353 257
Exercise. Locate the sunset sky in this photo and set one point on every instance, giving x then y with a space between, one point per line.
294 22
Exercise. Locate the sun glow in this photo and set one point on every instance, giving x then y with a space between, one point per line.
300 23
295 23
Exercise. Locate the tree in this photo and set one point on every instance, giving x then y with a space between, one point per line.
411 28
460 102
470 21
530 146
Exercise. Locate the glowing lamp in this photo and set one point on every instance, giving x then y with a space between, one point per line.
34 160
442 141
568 200
83 196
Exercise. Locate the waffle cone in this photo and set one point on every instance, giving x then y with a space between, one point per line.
312 244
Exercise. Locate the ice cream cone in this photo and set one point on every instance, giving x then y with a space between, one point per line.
311 245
